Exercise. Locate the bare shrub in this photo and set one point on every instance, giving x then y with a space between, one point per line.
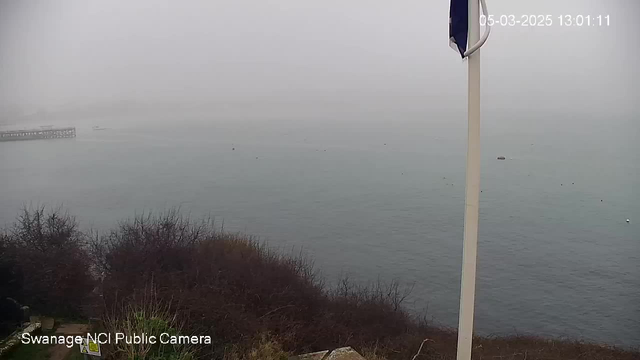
131 254
10 289
49 254
235 288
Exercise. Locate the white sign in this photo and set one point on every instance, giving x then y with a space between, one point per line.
90 348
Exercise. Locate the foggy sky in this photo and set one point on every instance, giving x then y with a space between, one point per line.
391 54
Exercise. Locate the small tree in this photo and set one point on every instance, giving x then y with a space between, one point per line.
50 255
10 289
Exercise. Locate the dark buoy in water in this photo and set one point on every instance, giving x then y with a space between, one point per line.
501 158
600 200
628 221
233 148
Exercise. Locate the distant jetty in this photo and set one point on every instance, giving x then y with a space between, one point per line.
45 132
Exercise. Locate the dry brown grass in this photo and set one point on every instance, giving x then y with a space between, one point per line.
266 348
144 313
441 345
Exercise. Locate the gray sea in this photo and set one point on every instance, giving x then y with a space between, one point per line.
382 199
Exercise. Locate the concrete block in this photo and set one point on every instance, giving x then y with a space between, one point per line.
345 353
319 355
14 340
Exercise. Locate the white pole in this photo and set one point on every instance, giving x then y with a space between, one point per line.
470 243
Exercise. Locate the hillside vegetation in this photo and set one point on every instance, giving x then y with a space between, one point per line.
168 273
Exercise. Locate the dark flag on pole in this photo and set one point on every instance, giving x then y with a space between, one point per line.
459 25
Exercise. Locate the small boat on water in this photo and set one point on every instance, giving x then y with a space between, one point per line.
96 128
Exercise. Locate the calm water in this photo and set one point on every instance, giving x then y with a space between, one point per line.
384 199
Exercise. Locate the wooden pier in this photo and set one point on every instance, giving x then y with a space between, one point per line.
42 133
